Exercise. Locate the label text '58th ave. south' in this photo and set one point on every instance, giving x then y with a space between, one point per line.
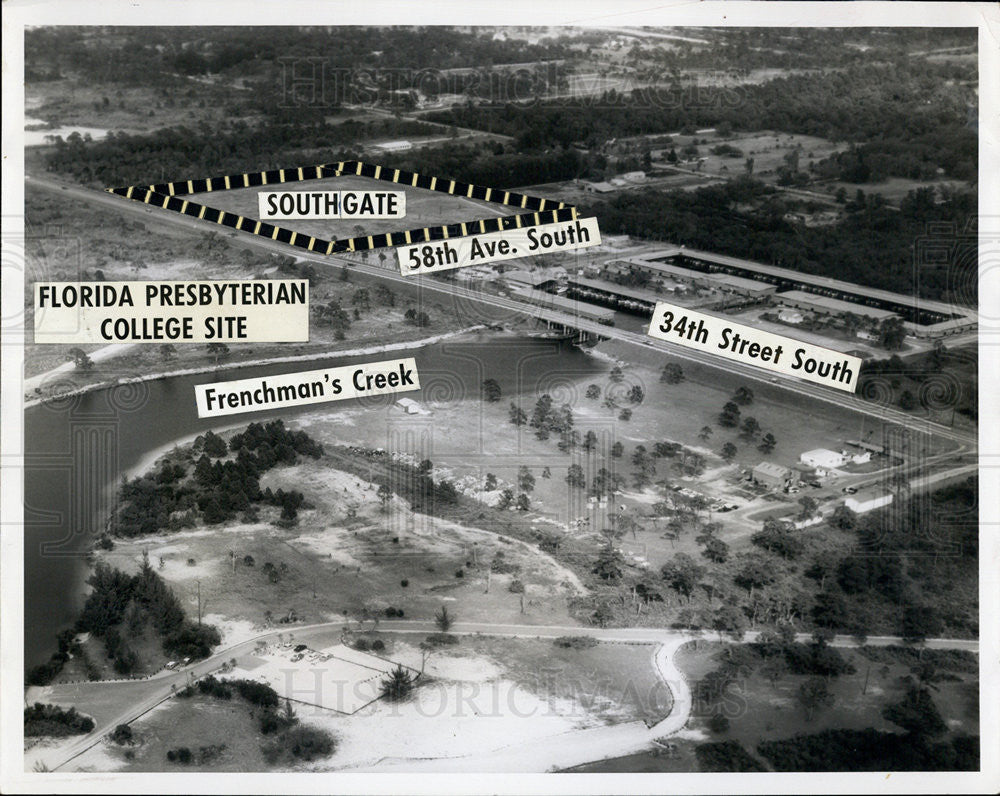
443 255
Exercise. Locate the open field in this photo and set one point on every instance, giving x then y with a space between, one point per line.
484 694
423 207
69 241
133 109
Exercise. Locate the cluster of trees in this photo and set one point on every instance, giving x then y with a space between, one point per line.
906 380
290 739
901 131
120 606
124 158
52 720
890 581
217 489
332 314
742 218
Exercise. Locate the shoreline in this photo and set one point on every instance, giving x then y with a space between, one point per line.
374 349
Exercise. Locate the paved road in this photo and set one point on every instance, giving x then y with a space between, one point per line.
519 308
161 686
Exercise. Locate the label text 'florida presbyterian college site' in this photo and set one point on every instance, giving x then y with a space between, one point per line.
754 347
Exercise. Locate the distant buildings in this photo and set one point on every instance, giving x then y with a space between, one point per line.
802 300
772 475
599 187
392 146
823 459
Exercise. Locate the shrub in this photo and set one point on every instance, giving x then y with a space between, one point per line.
575 642
404 583
179 755
122 735
726 756
516 587
42 719
378 645
442 639
361 644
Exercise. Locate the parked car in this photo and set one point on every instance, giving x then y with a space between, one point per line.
850 490
171 665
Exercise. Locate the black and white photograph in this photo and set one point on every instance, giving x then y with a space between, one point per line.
518 392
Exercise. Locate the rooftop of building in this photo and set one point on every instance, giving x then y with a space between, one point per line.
833 305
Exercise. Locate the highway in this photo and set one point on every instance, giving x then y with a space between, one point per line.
450 290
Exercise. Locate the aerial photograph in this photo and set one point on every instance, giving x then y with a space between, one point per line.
525 512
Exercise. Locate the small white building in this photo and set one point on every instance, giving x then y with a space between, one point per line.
867 501
409 406
790 316
392 146
823 458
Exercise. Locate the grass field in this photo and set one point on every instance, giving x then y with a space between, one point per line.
423 207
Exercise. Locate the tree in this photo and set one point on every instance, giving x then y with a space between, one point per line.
81 360
705 433
525 480
729 417
625 414
750 428
920 622
809 507
682 574
891 333
636 394
843 518
609 564
517 415
397 685
491 390
728 451
593 392
603 615
729 619
523 502
743 396
713 548
506 499
168 352
617 375
754 570
384 496
672 374
575 477
814 695
444 620
617 450
917 714
490 483
767 443
778 537
218 350
906 401
361 299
